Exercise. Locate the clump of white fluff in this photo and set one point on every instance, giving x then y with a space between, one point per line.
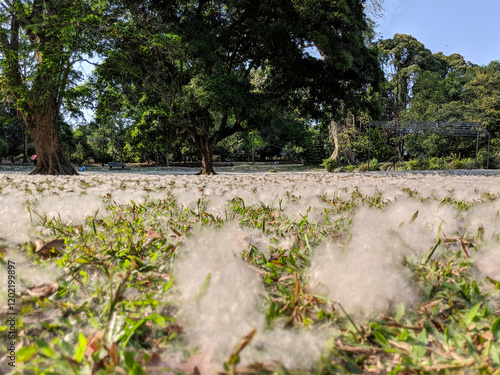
15 223
367 274
217 318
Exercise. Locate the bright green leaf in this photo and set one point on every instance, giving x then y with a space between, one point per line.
26 353
80 351
472 314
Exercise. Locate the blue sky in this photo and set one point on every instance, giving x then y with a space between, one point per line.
470 28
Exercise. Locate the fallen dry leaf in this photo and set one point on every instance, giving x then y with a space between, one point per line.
93 343
43 290
52 248
38 244
153 234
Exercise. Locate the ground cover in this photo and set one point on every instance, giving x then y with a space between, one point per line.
252 273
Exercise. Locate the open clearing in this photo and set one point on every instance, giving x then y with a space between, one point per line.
303 272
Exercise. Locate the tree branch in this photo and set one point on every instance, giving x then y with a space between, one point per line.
60 95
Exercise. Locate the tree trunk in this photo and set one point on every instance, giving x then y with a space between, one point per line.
344 149
207 166
25 154
335 138
49 153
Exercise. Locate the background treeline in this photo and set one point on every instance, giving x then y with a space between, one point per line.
177 82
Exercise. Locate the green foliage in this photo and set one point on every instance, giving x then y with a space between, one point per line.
467 163
457 164
40 43
401 166
406 56
330 164
374 166
436 163
426 87
212 77
359 141
4 148
314 150
418 164
12 131
494 157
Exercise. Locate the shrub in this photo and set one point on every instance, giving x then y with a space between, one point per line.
436 163
470 163
330 164
386 166
374 166
494 161
314 151
401 166
482 159
347 168
457 164
418 164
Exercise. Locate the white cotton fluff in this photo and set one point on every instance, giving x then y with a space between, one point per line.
487 216
69 207
15 223
487 260
415 225
232 304
367 275
27 274
228 311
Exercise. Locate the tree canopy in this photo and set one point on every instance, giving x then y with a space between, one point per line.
41 41
211 69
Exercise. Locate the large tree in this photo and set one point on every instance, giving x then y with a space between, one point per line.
40 43
214 67
404 58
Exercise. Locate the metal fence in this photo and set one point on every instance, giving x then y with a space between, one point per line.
449 129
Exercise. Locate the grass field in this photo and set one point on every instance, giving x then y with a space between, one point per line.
288 273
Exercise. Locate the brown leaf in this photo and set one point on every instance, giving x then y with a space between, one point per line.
393 323
153 234
177 233
200 363
243 342
99 365
43 290
38 244
428 305
110 360
464 244
154 360
488 335
170 248
93 343
357 349
52 248
113 353
439 326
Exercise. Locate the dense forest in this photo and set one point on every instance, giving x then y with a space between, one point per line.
228 81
